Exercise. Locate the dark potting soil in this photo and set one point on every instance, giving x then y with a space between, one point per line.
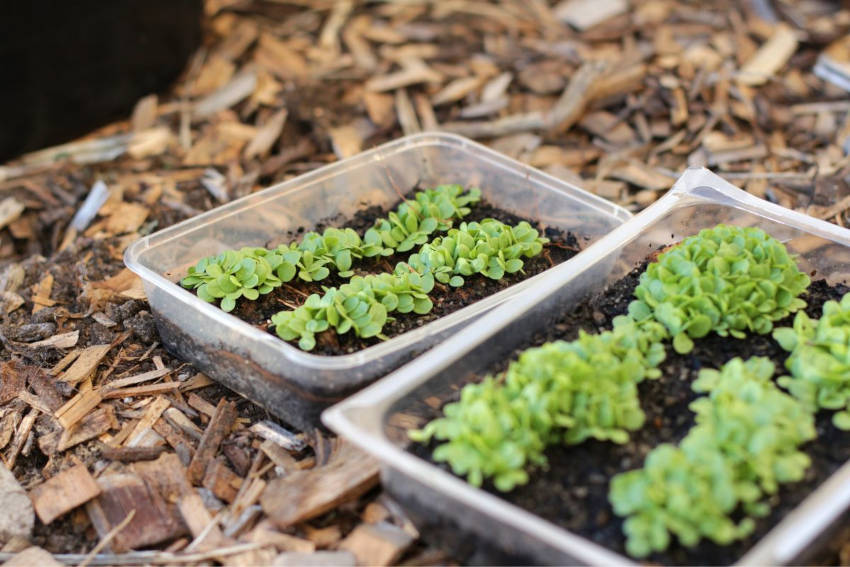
562 246
573 491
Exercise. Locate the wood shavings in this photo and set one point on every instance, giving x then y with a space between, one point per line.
85 364
583 14
266 136
63 493
770 57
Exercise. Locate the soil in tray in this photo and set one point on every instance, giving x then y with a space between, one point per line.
562 246
573 491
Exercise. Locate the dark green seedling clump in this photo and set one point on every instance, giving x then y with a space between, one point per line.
316 255
415 220
491 248
744 444
728 279
559 392
820 360
361 306
248 273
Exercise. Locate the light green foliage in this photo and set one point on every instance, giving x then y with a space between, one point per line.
727 279
561 391
233 274
744 444
491 248
361 306
415 220
820 360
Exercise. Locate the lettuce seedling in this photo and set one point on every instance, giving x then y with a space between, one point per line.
491 248
819 362
472 248
744 444
230 275
313 258
415 220
361 305
728 279
561 391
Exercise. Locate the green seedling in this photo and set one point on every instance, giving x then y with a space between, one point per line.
559 392
361 306
230 275
316 255
491 248
819 362
728 279
744 444
415 220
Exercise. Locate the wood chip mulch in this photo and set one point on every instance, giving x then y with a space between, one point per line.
123 449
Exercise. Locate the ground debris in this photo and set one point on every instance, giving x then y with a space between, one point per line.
616 97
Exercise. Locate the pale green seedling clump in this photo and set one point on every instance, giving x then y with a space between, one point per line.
744 445
559 392
727 279
820 360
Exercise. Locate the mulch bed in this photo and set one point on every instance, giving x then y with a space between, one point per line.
618 99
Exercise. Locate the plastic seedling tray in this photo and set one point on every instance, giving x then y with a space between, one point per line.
296 385
473 521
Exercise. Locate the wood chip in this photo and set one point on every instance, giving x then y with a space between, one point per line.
265 534
570 106
78 407
137 379
770 57
266 136
131 454
316 559
306 494
62 340
152 523
456 90
200 522
41 293
240 87
22 433
93 425
583 14
10 210
415 71
407 118
346 141
221 481
377 544
151 415
63 492
217 429
85 364
148 390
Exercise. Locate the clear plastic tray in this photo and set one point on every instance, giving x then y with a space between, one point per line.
297 385
378 418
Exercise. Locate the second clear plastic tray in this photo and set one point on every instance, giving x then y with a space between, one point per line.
297 385
473 520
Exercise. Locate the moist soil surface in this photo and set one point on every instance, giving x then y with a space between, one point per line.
562 246
573 491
